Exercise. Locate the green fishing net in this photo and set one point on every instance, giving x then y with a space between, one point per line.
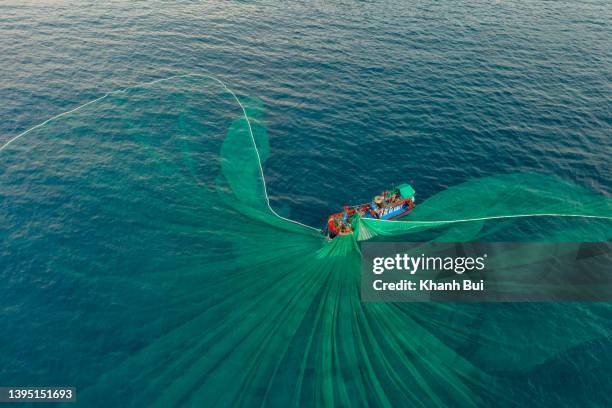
140 239
559 210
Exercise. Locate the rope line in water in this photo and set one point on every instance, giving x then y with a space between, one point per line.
246 117
257 153
5 145
496 217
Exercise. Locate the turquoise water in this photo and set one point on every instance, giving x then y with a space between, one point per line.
125 275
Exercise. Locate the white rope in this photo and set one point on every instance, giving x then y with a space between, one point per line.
497 217
257 153
5 145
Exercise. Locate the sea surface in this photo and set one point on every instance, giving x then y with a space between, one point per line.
357 96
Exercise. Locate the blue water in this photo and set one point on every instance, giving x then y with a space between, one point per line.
358 96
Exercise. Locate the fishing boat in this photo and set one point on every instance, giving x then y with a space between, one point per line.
388 205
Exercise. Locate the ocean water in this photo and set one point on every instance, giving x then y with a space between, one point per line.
123 276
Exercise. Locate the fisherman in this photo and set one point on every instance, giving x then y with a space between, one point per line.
377 206
378 201
394 197
344 227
